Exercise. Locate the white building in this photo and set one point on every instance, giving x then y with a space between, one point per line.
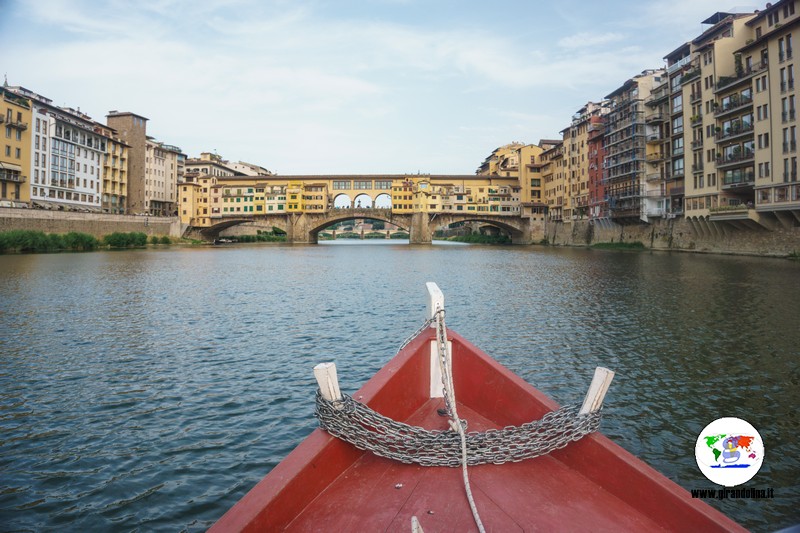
248 169
163 165
66 156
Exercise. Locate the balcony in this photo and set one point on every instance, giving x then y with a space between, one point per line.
654 138
787 85
660 94
692 74
789 147
653 177
679 64
677 191
15 177
727 82
697 145
735 104
733 132
695 97
787 116
737 158
655 157
697 168
654 118
696 121
17 124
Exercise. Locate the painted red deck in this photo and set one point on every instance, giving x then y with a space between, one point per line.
591 485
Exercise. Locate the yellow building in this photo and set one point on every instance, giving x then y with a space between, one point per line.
294 197
315 196
402 196
554 181
503 161
114 187
15 157
191 209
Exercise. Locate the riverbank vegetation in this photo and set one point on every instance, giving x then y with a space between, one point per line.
133 239
29 241
262 236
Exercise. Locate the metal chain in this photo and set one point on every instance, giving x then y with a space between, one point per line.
366 429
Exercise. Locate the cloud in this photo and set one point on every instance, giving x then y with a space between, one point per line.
587 40
380 88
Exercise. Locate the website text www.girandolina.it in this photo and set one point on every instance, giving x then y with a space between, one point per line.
722 494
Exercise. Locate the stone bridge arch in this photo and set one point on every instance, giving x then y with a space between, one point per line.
516 227
342 215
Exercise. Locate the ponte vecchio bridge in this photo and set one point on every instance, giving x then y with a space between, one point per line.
302 206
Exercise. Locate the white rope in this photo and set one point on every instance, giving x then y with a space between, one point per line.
446 364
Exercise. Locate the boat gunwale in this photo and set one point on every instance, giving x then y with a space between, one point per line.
320 458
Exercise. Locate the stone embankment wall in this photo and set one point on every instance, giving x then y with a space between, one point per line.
96 224
675 234
681 235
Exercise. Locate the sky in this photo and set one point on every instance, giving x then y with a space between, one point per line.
323 87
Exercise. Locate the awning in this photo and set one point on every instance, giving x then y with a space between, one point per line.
10 166
64 206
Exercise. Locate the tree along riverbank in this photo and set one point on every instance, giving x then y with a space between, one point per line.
31 241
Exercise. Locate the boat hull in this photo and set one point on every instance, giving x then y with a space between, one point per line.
593 484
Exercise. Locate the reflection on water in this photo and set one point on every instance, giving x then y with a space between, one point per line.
151 389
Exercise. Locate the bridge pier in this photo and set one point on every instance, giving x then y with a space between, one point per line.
420 230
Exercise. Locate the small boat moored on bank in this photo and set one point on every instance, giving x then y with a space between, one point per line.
396 456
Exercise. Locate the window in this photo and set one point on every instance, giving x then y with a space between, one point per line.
677 125
772 18
677 146
677 103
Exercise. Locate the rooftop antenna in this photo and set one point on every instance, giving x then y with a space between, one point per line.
5 79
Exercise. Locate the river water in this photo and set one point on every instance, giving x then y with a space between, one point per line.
149 390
